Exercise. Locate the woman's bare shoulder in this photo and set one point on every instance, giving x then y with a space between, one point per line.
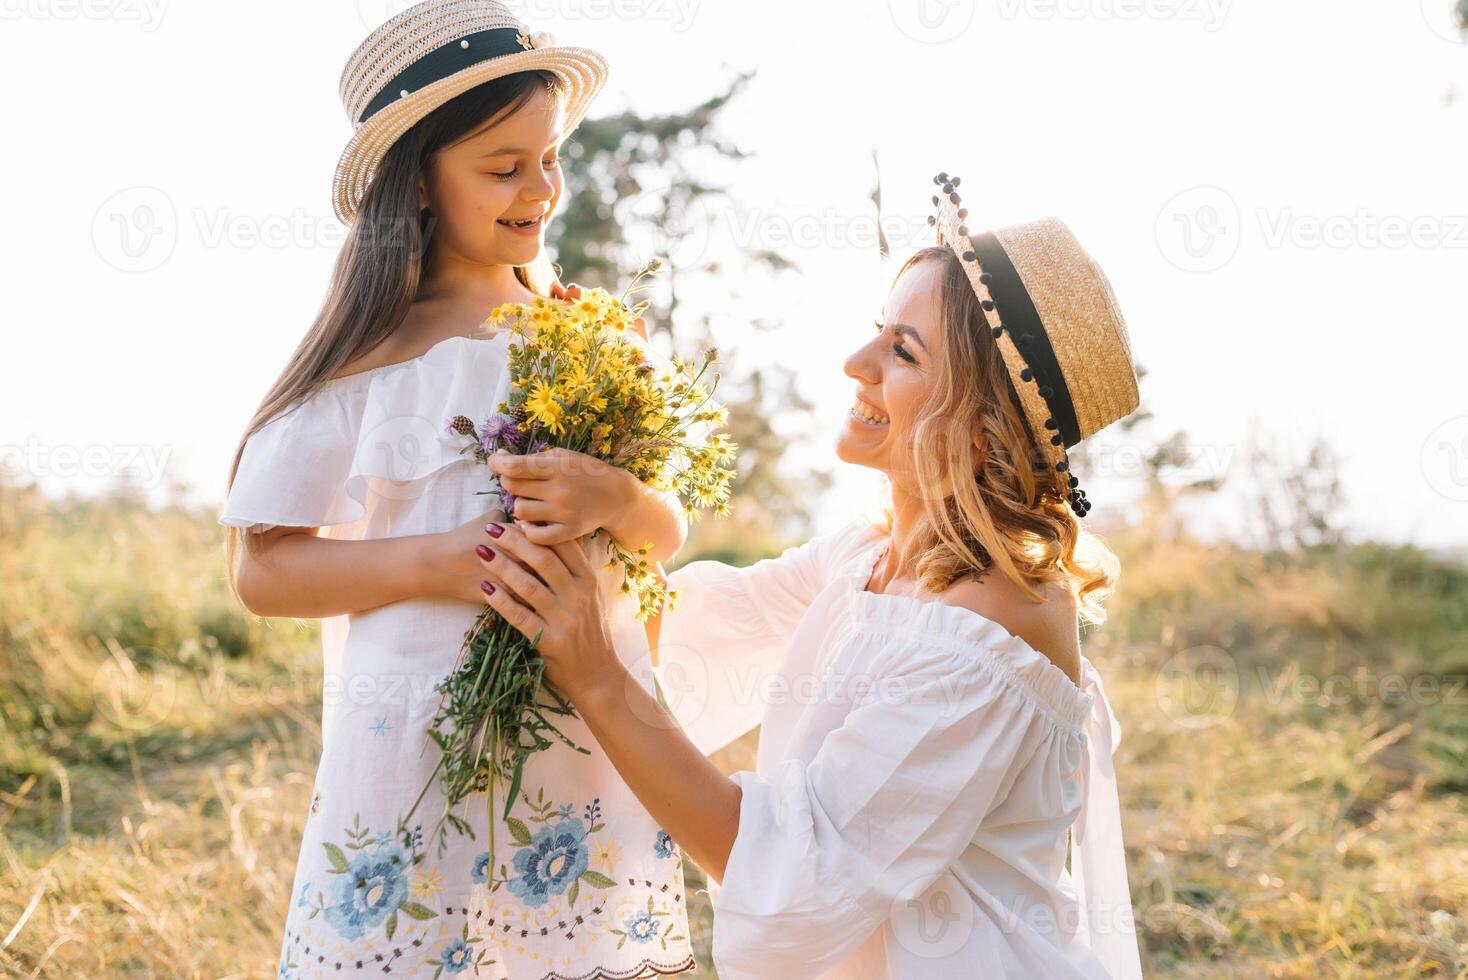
1049 625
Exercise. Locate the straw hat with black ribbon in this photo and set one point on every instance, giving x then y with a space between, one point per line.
1056 323
427 55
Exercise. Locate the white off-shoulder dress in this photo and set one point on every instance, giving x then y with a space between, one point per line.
589 886
919 772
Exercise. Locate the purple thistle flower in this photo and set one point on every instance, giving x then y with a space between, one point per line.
509 501
539 445
499 430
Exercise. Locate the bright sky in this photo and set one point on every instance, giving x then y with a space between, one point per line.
1276 190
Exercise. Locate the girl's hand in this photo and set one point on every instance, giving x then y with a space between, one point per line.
451 567
552 592
561 495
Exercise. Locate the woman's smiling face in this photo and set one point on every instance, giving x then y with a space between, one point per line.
494 191
895 372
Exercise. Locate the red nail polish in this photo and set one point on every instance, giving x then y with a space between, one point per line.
484 552
488 587
495 530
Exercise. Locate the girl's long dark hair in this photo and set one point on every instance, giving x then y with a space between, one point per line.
377 274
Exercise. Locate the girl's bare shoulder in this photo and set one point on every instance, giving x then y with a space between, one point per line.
1050 625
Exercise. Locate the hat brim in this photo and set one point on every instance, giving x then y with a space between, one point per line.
583 73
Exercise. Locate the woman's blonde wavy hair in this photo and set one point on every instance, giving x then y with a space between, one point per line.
992 508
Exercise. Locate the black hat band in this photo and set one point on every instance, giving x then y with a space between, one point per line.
445 60
1022 322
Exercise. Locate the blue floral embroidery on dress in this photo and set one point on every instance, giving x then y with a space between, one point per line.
479 874
455 956
372 887
305 893
663 845
555 858
642 926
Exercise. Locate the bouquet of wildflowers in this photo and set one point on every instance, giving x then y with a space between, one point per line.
578 382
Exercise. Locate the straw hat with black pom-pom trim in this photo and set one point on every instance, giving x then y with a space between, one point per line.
427 55
1056 322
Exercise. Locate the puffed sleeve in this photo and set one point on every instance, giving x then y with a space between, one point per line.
886 806
731 627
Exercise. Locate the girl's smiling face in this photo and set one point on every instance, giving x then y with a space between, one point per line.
494 191
895 372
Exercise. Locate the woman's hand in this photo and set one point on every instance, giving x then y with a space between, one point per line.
450 566
552 592
562 495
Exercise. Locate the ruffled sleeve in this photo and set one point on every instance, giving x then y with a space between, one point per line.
731 627
1098 863
294 469
377 435
825 850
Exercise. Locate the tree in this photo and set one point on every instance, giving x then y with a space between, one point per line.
641 187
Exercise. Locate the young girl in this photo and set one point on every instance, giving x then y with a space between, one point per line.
354 506
934 796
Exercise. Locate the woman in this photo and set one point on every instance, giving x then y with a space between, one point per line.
931 732
356 507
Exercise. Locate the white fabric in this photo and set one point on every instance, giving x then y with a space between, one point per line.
919 768
369 456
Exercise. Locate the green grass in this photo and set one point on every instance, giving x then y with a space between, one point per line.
157 746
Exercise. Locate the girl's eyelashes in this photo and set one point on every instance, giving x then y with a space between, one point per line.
549 165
